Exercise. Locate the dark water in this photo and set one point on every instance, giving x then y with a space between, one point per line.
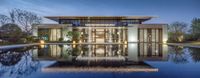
100 61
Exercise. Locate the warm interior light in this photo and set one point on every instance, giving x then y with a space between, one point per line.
118 33
42 42
80 41
125 46
74 46
164 42
125 42
74 42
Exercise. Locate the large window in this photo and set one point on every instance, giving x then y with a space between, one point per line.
43 34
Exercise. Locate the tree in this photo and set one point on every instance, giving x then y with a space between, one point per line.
8 19
23 18
4 19
11 32
26 19
196 28
177 31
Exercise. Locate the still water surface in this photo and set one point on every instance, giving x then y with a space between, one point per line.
96 61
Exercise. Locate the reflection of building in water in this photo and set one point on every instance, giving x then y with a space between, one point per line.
58 52
152 51
76 57
131 51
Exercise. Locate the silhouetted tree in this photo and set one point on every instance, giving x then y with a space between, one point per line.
11 32
23 18
177 31
27 19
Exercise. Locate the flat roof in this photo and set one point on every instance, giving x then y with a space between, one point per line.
143 18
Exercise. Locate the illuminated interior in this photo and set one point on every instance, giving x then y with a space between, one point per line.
102 29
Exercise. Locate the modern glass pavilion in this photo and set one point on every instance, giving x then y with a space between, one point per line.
101 29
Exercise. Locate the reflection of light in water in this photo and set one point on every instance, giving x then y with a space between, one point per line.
42 46
156 51
114 58
118 52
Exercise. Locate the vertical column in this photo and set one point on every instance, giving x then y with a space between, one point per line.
89 34
133 33
35 30
124 35
110 35
119 35
164 33
89 50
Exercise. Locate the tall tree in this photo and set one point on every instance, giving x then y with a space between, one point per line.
27 19
177 31
196 28
23 18
4 19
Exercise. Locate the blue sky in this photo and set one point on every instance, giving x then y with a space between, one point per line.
167 11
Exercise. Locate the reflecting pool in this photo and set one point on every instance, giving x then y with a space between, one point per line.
142 60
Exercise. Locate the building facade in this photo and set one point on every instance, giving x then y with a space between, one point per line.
101 29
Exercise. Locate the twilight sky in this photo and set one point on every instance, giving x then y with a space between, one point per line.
167 11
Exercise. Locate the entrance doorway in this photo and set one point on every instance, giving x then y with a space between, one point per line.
103 35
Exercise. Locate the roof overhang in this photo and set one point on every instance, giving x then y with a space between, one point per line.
143 18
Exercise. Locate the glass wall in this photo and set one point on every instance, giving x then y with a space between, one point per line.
55 34
149 35
102 35
149 49
49 34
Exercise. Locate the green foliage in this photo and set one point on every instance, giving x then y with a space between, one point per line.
75 35
60 39
196 28
31 39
